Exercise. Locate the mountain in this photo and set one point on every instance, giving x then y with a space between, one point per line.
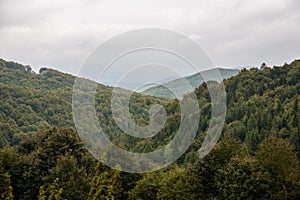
32 102
150 85
179 86
42 155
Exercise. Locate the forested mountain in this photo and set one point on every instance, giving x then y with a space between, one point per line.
194 80
31 102
257 156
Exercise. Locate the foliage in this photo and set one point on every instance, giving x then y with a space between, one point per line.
147 187
104 184
257 157
55 193
6 189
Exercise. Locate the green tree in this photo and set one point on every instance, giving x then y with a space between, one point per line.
6 190
179 184
104 184
42 194
278 159
55 192
147 187
207 169
73 178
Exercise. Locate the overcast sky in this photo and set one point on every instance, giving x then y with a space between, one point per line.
61 34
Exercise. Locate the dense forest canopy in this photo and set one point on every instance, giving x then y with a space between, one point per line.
257 156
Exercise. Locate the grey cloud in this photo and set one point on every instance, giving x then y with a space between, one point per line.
61 34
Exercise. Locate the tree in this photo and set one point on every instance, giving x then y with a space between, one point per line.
104 184
55 193
147 187
242 178
178 184
42 194
73 178
53 153
6 189
207 169
278 159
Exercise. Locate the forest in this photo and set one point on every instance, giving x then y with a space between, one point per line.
257 156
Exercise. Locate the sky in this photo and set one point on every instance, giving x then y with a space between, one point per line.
235 33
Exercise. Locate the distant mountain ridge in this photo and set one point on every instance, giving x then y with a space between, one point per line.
178 85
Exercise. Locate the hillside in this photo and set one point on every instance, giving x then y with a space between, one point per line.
195 80
41 153
32 102
260 104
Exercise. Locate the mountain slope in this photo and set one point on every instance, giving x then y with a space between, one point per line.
262 124
195 80
261 102
31 102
